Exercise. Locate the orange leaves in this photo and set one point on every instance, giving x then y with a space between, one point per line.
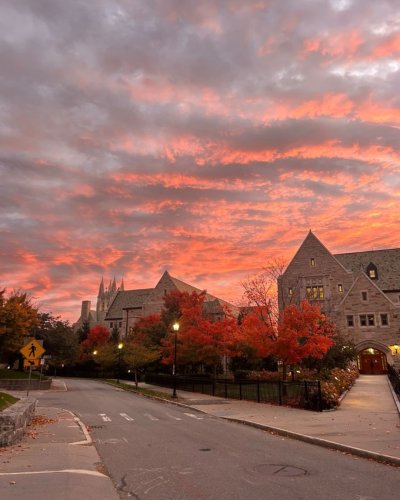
302 332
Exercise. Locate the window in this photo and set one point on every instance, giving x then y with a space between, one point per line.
367 320
384 319
364 295
372 271
120 324
111 324
315 292
312 262
350 321
340 288
290 291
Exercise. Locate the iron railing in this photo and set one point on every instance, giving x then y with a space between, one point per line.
394 378
301 394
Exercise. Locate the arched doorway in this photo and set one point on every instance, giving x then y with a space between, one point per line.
372 362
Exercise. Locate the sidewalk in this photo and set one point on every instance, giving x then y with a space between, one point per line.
54 460
366 424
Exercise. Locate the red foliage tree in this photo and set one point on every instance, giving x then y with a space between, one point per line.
98 337
302 332
200 339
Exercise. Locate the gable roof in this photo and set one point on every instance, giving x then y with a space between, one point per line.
370 283
386 261
126 299
309 240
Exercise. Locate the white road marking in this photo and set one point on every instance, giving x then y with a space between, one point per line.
151 417
194 416
126 417
104 417
70 471
172 416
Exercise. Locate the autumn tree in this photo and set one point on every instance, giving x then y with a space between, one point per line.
260 292
18 318
201 340
98 337
302 332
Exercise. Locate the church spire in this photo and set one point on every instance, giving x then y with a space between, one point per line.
122 287
113 286
101 287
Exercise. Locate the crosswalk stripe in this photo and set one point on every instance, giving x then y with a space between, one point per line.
126 417
151 417
194 416
172 416
104 417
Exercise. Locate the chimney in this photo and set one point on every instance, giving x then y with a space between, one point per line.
85 311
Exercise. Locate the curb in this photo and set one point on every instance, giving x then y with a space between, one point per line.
379 457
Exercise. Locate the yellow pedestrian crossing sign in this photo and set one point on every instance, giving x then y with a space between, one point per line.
32 350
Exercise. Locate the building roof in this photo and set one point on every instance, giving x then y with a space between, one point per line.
387 263
126 299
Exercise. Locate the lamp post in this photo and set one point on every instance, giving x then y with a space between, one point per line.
120 346
175 327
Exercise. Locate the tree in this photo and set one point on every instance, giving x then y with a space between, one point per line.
59 339
18 317
114 337
83 331
98 337
260 292
201 341
341 353
302 332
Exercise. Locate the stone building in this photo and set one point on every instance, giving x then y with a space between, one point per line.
360 291
122 308
105 296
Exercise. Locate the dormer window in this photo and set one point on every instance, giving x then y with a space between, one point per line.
312 262
372 271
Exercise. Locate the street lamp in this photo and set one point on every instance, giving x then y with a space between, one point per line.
120 346
175 327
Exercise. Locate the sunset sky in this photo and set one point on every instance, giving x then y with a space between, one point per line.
203 137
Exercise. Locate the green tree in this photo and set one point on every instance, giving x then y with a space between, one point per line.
83 331
18 318
59 339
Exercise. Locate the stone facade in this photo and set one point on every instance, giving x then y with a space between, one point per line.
127 306
360 291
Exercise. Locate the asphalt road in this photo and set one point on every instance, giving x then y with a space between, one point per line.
154 450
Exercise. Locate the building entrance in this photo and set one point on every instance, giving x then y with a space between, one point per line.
372 362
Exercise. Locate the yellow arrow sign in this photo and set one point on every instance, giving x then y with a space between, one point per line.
32 350
35 363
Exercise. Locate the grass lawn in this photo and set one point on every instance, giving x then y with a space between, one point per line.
14 374
6 400
140 390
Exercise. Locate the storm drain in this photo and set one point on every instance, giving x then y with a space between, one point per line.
280 470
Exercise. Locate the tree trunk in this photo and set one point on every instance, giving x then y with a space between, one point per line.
136 378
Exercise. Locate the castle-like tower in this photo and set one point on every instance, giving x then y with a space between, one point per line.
105 296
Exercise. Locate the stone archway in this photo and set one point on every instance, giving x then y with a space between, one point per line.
373 358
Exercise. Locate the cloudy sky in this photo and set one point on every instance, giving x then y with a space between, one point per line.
203 137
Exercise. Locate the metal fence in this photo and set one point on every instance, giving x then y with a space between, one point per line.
300 394
394 378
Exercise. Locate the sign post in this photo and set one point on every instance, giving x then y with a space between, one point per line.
32 352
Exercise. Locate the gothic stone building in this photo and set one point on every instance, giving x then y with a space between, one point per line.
360 291
122 308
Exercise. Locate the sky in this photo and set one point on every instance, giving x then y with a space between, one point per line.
203 137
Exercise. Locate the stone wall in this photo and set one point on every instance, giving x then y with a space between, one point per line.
22 384
14 419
